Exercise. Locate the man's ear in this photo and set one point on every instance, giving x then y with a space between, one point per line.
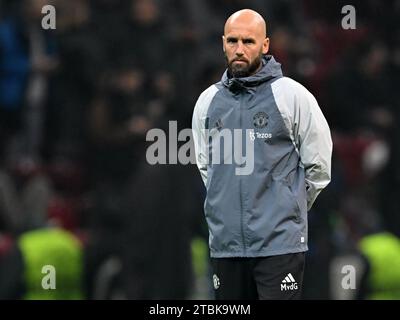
265 47
223 43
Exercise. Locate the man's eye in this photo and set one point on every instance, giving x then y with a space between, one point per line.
248 41
232 40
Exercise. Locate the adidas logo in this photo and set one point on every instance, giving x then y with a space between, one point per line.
289 283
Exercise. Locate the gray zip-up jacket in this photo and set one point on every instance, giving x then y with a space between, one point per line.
257 200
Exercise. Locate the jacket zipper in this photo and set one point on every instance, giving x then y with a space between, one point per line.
240 186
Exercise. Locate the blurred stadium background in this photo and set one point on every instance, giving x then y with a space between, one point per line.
75 105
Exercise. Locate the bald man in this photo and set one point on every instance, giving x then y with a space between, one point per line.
258 199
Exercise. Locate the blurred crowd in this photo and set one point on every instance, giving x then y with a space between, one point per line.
76 104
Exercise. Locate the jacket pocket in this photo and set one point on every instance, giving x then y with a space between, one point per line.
294 203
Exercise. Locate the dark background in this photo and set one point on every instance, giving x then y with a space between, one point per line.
76 103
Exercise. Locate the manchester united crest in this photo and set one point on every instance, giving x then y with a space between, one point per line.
260 120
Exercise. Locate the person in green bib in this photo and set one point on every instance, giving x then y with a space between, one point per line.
43 264
381 281
53 264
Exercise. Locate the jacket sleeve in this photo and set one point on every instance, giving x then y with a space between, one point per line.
199 130
313 139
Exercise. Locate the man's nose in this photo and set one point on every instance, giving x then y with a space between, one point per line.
239 49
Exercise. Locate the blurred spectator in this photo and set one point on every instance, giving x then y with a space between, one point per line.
27 59
379 282
22 275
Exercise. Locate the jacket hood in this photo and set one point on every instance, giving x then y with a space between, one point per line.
270 69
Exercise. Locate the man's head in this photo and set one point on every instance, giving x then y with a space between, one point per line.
244 42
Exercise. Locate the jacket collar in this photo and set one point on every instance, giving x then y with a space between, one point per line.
270 69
